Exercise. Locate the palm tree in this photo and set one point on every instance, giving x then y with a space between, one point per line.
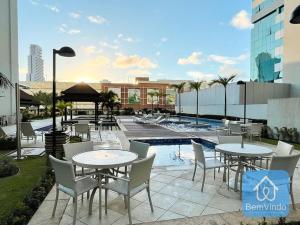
179 89
61 106
224 81
152 94
196 86
110 100
5 82
45 99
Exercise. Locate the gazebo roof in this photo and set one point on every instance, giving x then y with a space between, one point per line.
27 99
80 92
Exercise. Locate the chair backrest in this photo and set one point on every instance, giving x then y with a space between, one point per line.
140 148
235 127
140 172
2 133
256 128
81 128
283 149
72 149
27 129
199 153
222 133
287 163
230 139
64 172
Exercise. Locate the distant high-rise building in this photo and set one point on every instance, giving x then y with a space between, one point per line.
35 64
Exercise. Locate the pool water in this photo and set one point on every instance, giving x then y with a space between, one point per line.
176 152
187 124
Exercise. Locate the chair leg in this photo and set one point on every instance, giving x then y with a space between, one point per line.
203 180
91 201
55 203
194 170
129 210
125 202
215 173
75 211
292 195
227 176
105 200
149 196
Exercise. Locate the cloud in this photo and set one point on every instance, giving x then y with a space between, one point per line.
139 72
97 19
125 38
89 49
228 70
98 61
107 45
227 59
64 28
33 2
194 58
74 15
131 61
198 75
52 8
241 20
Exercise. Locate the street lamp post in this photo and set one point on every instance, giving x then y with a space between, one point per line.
245 97
64 52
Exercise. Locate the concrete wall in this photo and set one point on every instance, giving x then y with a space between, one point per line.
211 100
291 50
284 113
8 55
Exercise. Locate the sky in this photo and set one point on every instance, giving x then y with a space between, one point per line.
118 40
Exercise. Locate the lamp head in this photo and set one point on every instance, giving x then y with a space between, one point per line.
295 18
66 52
240 82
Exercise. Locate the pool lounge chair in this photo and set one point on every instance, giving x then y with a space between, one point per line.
28 132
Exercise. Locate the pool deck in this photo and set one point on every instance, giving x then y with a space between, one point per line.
177 200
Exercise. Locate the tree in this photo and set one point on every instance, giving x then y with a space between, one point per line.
152 94
223 81
196 86
45 99
61 106
179 88
110 101
5 82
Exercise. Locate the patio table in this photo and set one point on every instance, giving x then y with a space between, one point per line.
243 153
104 159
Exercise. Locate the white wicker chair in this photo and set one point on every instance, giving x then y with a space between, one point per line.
28 132
204 163
81 129
67 183
138 180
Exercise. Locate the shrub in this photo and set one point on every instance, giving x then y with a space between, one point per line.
7 168
128 111
75 139
25 210
8 143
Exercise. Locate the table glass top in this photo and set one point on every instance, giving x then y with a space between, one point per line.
247 150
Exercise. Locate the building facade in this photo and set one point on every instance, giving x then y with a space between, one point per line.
275 43
8 58
138 95
35 64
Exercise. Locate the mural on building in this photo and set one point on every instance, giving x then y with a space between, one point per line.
170 96
266 67
151 98
134 96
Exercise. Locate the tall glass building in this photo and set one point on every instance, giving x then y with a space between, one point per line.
267 39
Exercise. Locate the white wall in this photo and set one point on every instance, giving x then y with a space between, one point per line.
211 100
284 113
8 55
291 49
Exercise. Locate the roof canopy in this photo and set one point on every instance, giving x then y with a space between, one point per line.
27 99
80 92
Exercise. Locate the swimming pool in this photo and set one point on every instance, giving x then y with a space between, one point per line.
188 124
175 152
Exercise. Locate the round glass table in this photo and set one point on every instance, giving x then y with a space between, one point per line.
103 159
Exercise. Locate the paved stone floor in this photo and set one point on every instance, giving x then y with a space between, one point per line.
176 199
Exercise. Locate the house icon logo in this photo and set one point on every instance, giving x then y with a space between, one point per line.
265 190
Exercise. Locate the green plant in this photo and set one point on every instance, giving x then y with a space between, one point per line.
110 101
25 115
224 81
5 82
8 143
7 168
75 139
128 111
45 99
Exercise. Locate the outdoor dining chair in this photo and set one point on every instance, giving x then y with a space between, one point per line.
204 163
138 180
81 129
254 131
28 132
3 133
287 163
235 129
69 184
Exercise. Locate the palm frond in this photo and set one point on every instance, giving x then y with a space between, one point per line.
196 85
222 80
5 82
